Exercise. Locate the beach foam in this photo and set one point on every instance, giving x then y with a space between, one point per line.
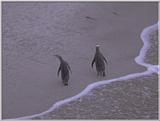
139 60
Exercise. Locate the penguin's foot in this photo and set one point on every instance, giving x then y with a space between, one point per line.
104 74
66 84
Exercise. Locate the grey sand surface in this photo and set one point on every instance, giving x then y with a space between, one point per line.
34 31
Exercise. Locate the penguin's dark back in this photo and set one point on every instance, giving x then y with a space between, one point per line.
99 55
64 71
64 67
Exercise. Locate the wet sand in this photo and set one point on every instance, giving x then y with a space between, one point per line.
132 99
152 53
34 32
135 98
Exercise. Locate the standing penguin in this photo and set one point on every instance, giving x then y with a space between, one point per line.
64 68
100 61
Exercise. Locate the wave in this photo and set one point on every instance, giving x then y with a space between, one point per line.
139 60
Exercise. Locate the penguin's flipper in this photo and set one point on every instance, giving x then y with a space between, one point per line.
58 70
69 68
105 59
93 61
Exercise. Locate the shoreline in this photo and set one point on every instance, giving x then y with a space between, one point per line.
83 103
139 59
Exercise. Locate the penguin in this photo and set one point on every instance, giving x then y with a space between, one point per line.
99 61
64 68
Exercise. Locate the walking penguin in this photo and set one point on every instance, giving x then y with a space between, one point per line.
64 68
100 61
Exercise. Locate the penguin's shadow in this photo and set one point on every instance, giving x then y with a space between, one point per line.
60 83
100 77
94 75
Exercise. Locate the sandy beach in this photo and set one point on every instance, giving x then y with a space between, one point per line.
33 32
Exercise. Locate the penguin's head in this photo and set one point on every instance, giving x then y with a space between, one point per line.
59 57
97 47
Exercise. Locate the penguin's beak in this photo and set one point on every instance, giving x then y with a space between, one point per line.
57 56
